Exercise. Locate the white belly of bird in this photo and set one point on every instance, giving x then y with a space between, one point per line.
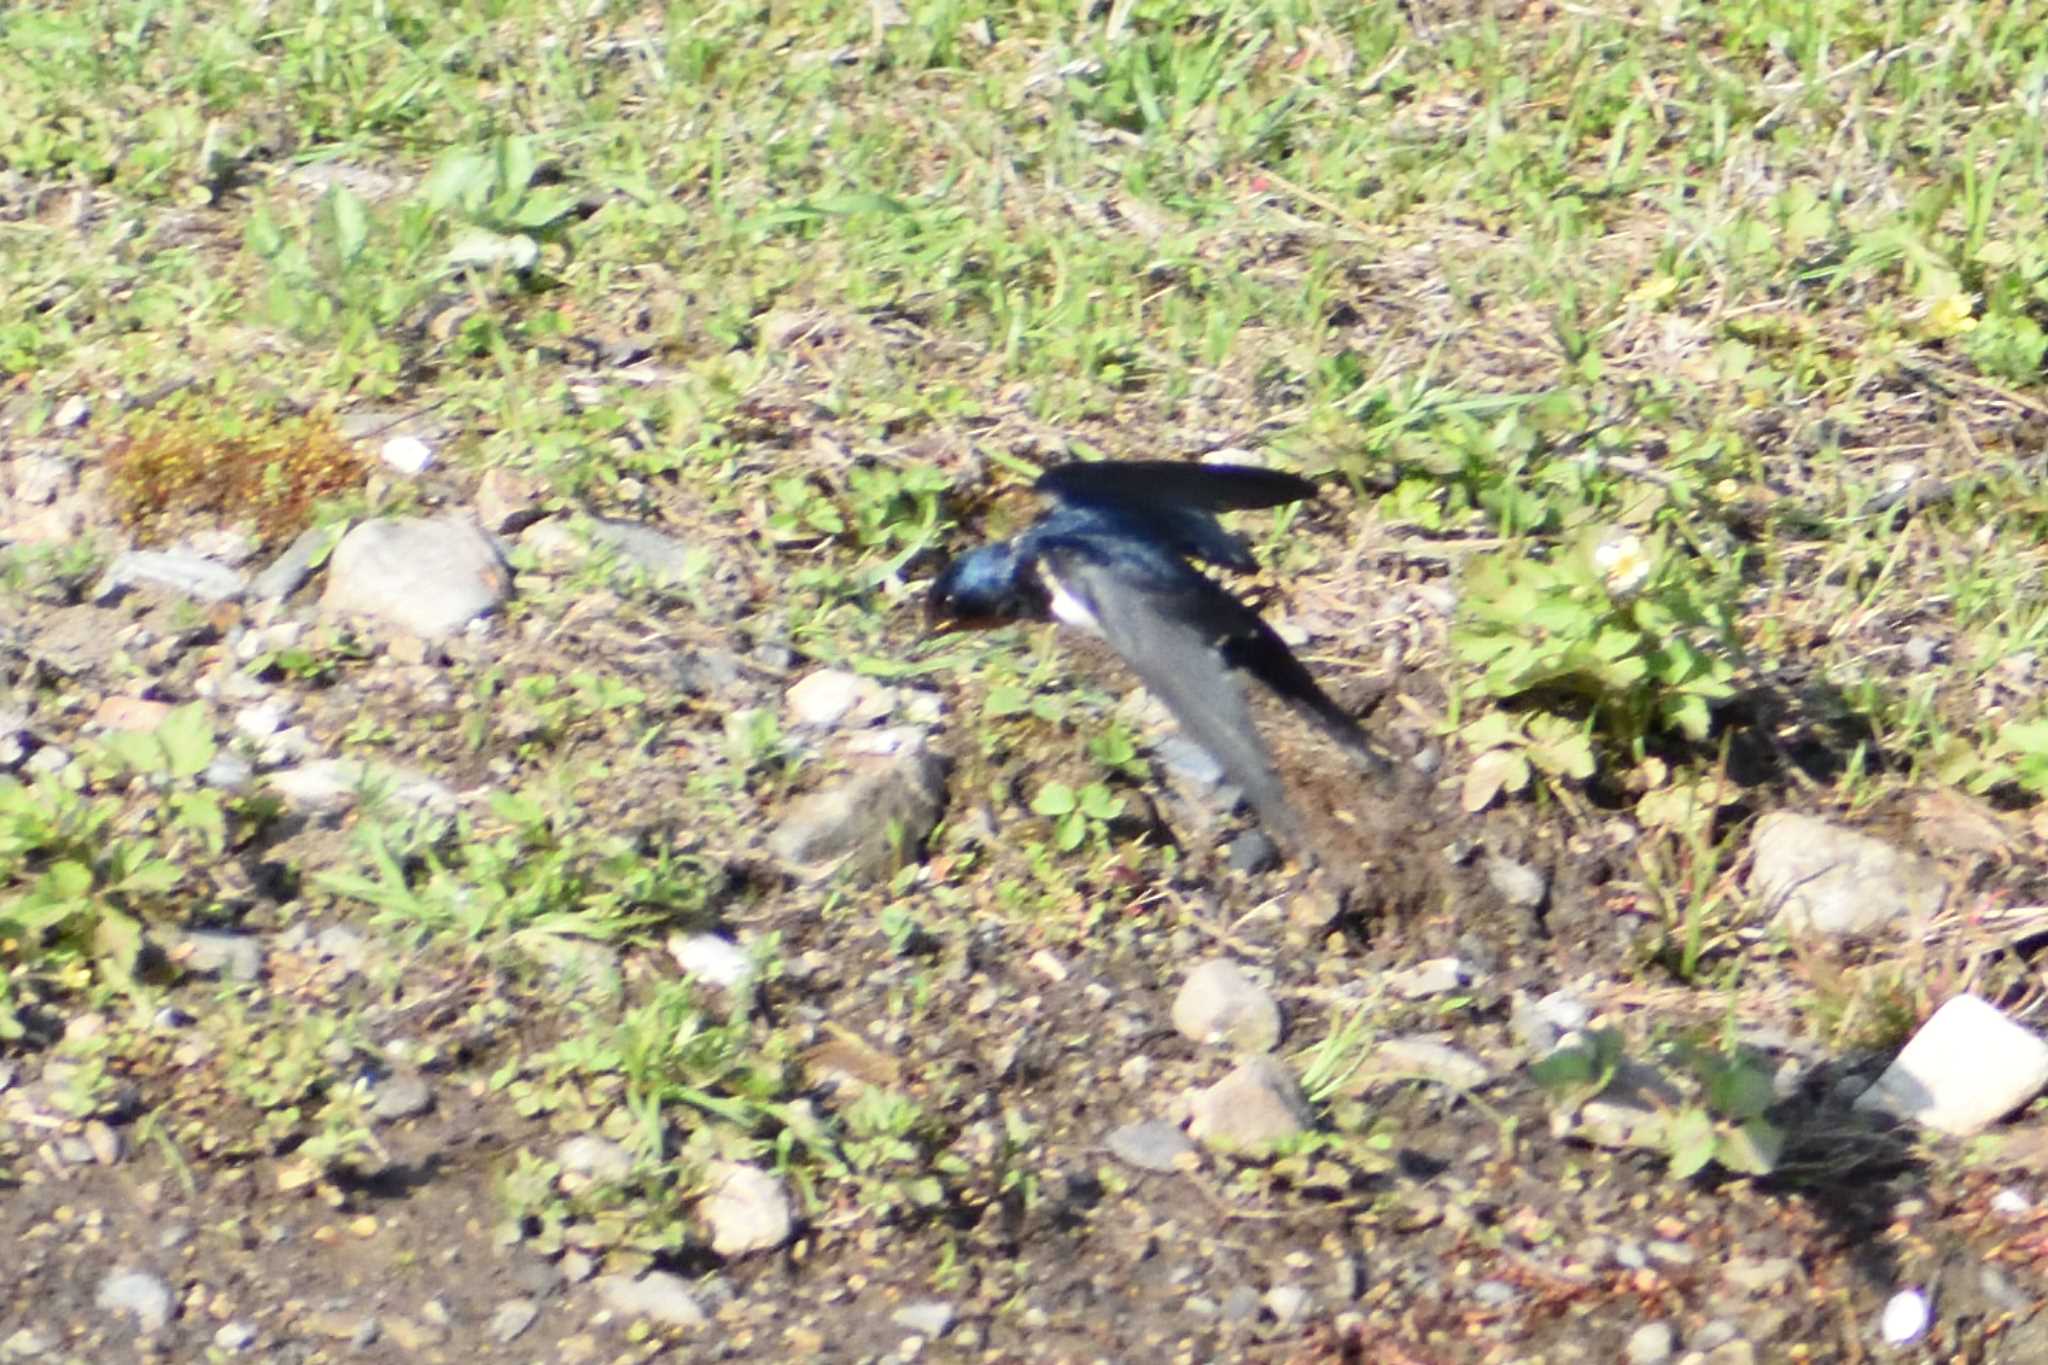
1070 609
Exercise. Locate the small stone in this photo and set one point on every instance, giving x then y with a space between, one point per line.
929 1318
1258 1103
511 1318
143 1296
595 1157
1819 878
1967 1067
747 1209
72 412
413 1335
1493 1294
1906 1317
1520 885
237 957
104 1143
429 577
663 556
657 1296
1650 1344
1666 1252
1438 976
401 1097
174 571
339 943
507 502
260 721
131 714
406 454
1219 1003
1431 1060
713 960
1253 852
827 697
1239 1304
1288 1303
294 566
235 1337
1760 1276
2010 1203
868 824
1153 1145
1714 1334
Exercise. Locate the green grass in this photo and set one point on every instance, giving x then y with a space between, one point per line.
1686 284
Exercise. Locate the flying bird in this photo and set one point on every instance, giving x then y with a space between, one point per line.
1111 557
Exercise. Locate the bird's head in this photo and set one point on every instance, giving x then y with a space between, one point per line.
984 587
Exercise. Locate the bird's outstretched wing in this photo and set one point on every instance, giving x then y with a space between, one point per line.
1170 503
1149 483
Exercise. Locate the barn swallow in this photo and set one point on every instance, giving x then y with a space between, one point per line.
1111 557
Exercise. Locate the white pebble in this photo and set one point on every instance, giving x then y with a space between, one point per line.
1905 1318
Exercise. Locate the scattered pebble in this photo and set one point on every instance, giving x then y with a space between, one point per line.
1520 885
1258 1103
1219 1004
712 959
1252 852
238 957
235 1336
659 553
1432 1060
833 696
1967 1067
1153 1145
401 1097
429 577
176 571
930 1318
1650 1344
596 1157
854 824
747 1209
1493 1294
1759 1276
2011 1203
1288 1303
138 1293
658 1296
406 454
1817 877
289 571
511 1318
507 502
1905 1319
132 714
1438 976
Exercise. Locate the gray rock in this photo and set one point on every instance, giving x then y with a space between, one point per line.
1433 1060
657 1296
1252 851
1187 761
867 824
510 1318
1907 1315
833 696
1220 1004
1438 976
238 957
931 1318
1713 1335
329 786
660 554
1239 1305
230 772
339 943
143 1296
235 1337
507 502
1759 1276
429 577
1667 1252
1966 1068
1651 1344
1288 1303
176 571
27 1343
712 959
289 571
747 1209
1520 885
596 1157
1258 1103
1493 1294
401 1097
1633 1111
1819 878
1153 1145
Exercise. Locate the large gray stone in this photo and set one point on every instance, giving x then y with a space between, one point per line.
428 576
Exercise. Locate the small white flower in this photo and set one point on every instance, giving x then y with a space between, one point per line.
1623 562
